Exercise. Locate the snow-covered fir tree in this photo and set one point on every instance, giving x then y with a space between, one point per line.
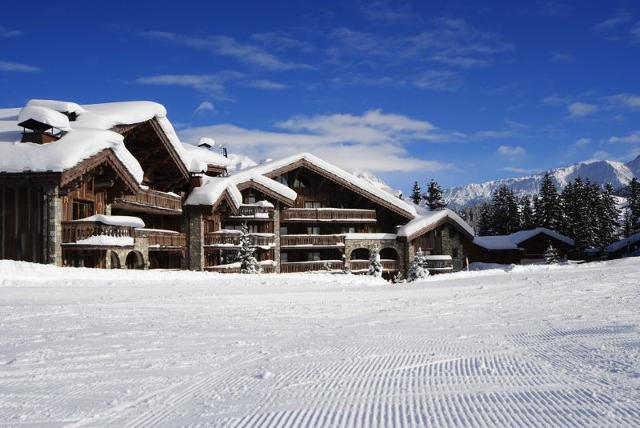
417 269
248 263
608 217
548 212
416 193
433 197
375 264
484 222
634 203
551 255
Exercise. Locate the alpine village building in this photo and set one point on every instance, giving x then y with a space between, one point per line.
111 186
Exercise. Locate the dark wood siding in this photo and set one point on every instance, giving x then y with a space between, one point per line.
21 225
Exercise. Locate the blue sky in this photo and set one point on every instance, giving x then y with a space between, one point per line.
406 90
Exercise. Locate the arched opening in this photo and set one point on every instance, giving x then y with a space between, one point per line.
388 254
135 260
360 254
115 260
390 265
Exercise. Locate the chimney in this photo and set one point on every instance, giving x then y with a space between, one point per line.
195 181
42 125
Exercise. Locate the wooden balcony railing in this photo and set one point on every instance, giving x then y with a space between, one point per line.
311 241
74 231
297 267
233 240
328 214
236 269
253 212
164 238
152 199
439 265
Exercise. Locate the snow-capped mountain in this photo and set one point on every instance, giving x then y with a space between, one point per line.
617 173
377 182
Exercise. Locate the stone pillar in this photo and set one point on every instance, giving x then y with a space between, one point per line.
194 218
276 232
52 219
449 244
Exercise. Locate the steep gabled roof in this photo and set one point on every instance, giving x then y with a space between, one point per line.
432 219
513 241
621 244
336 174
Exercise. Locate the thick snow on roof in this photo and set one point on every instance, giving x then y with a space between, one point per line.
375 236
619 245
511 242
90 130
365 186
202 157
430 217
45 115
115 220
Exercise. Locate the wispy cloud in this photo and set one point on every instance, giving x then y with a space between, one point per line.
580 110
582 142
562 57
613 22
511 151
632 138
387 12
281 41
631 101
229 47
17 67
555 100
265 84
374 140
438 80
518 170
554 9
205 106
6 32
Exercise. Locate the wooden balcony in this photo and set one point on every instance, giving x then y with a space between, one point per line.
363 265
288 241
223 240
74 232
236 269
164 239
320 265
338 215
438 265
152 201
253 212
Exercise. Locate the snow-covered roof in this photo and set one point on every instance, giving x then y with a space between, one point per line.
364 186
430 218
114 220
619 245
201 158
87 135
45 115
511 242
374 236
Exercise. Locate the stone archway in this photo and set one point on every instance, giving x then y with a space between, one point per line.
114 260
360 254
135 260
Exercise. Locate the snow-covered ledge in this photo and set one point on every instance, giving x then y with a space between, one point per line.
114 220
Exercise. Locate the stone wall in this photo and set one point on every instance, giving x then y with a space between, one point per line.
193 216
52 227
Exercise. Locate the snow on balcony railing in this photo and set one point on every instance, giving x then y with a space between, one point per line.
152 199
311 240
268 266
363 265
310 266
96 234
162 239
254 211
231 238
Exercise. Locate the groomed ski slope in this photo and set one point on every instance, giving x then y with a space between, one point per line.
535 346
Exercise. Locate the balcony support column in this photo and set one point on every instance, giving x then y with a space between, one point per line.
52 226
194 228
276 233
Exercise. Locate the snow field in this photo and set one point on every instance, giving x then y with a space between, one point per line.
532 346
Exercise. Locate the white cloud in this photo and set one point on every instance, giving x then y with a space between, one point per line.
204 107
265 84
437 80
580 109
386 12
511 151
17 67
374 141
631 101
601 155
612 22
555 100
227 46
633 138
6 32
520 170
561 57
583 142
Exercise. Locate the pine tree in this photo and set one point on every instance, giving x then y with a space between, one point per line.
527 214
417 269
608 215
551 255
549 210
505 217
634 202
416 193
434 198
484 222
375 264
248 263
627 225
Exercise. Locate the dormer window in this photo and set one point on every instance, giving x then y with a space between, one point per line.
42 125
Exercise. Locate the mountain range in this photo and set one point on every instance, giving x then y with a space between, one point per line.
619 174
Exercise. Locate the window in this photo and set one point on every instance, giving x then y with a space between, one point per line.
298 183
313 204
250 199
313 256
282 179
284 257
82 209
313 230
452 232
284 230
348 229
454 253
